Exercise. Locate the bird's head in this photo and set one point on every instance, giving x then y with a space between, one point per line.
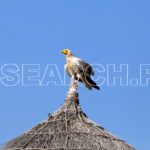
67 52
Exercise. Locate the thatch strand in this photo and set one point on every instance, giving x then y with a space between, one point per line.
68 129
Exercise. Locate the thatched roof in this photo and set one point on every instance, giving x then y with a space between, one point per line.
68 129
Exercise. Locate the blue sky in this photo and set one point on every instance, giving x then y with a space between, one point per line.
101 32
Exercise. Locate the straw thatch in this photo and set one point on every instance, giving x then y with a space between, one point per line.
68 129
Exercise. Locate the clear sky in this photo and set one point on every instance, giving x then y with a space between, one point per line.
98 31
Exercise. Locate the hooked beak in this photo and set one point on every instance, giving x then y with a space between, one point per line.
63 51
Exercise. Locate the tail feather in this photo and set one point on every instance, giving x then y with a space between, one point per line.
86 84
92 83
89 83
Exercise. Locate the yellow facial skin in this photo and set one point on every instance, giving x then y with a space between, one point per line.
65 51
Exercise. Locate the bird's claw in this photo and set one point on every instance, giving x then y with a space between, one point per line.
77 82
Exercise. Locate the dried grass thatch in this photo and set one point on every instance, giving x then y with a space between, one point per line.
68 129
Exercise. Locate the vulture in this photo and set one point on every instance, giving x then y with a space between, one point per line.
79 70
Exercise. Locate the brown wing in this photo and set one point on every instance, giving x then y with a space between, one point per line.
86 68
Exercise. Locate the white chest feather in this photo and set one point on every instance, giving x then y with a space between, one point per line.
71 66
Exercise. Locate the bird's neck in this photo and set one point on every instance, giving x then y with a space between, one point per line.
68 58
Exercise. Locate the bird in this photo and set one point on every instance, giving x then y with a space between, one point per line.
79 70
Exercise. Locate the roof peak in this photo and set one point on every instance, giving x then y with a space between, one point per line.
68 128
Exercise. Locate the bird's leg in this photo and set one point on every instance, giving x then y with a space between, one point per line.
78 78
73 79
